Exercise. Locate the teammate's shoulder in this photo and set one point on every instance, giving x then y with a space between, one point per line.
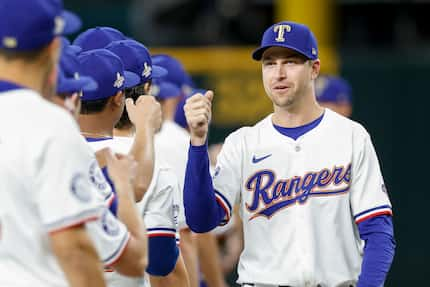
45 116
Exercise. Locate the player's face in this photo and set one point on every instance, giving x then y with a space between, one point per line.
286 75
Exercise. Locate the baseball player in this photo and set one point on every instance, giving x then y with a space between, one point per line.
47 199
200 250
120 244
313 202
334 93
137 59
157 206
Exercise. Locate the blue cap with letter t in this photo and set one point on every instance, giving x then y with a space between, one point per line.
27 25
108 70
294 36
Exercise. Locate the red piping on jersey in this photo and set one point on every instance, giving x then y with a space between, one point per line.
121 252
227 211
75 224
161 235
385 212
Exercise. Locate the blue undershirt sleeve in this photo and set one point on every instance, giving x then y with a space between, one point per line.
202 211
162 256
378 234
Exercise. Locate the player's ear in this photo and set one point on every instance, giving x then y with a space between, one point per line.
315 65
147 87
118 98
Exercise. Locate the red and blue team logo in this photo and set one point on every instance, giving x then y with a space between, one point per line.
98 180
79 188
270 195
110 224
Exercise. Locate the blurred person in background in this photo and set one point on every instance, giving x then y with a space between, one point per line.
334 93
171 143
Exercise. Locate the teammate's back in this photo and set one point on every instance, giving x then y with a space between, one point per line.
26 212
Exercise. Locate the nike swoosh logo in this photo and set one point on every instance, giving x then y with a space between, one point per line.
258 159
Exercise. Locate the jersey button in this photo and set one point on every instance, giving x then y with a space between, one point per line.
297 148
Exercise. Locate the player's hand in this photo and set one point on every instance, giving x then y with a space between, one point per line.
198 111
145 113
122 169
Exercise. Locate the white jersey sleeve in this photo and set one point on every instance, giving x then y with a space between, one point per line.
227 176
110 237
78 202
160 208
369 196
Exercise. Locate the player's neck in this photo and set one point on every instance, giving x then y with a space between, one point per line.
127 132
28 76
93 127
298 115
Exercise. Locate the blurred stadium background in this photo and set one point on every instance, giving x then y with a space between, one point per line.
381 47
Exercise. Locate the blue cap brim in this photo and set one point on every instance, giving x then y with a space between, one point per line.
131 79
72 22
69 85
158 72
258 53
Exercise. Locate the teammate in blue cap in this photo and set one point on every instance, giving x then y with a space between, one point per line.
165 264
312 197
47 199
334 93
136 58
199 251
71 83
98 38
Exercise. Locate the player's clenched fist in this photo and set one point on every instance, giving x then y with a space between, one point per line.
198 111
146 112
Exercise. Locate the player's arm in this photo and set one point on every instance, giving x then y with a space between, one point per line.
178 277
378 235
202 211
134 258
372 213
145 114
160 214
77 257
209 259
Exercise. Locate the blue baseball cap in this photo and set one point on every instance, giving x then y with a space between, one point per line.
27 25
108 71
98 38
70 79
294 36
176 72
164 90
332 89
65 43
136 58
180 118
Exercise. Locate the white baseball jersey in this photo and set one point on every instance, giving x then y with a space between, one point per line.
171 145
159 206
300 200
45 186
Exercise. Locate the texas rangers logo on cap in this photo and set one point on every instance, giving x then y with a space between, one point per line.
147 70
119 81
291 35
280 30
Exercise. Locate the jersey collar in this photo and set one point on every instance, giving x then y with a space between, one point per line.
6 86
